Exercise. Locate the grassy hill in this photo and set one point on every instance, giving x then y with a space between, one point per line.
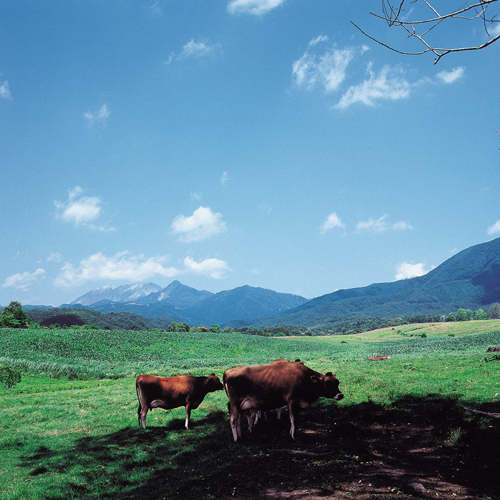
69 429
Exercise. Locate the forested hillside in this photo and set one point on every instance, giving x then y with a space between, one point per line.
115 320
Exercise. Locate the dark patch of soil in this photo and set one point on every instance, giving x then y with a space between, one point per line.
419 448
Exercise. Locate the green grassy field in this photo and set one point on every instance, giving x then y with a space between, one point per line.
69 429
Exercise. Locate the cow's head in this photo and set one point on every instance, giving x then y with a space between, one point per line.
329 386
213 383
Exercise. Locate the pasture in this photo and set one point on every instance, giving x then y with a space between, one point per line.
405 428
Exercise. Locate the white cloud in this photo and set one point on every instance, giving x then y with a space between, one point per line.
376 225
214 268
54 257
23 281
331 222
156 9
199 226
101 115
407 270
79 209
495 30
170 59
125 267
402 226
120 266
495 228
380 225
4 90
318 39
194 49
224 179
327 70
388 84
451 76
256 7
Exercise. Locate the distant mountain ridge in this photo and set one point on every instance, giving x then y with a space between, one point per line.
184 303
123 293
469 279
178 295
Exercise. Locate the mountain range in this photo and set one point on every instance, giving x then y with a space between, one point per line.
470 279
183 303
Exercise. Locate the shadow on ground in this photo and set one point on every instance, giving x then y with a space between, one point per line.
419 447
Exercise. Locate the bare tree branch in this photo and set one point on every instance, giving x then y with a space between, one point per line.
395 15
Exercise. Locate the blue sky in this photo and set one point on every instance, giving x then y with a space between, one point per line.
227 143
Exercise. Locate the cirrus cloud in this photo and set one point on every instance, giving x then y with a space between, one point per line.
388 84
4 90
100 116
327 70
255 7
199 226
380 225
198 49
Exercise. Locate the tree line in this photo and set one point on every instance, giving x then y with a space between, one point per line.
13 316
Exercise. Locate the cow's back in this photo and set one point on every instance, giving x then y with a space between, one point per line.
267 386
153 387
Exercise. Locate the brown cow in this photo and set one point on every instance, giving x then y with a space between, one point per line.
266 387
253 415
172 392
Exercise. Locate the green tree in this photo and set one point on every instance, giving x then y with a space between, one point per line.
13 316
450 317
494 311
480 314
178 327
215 328
464 315
9 376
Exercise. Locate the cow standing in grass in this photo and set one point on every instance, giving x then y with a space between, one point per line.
271 386
173 392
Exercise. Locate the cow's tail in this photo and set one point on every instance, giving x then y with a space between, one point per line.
224 383
139 397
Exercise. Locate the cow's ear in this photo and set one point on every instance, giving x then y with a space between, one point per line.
212 374
315 379
329 374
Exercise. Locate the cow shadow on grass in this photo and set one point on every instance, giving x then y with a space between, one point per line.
417 447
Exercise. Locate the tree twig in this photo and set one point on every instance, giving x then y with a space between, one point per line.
494 415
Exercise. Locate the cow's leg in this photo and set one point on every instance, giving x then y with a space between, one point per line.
188 414
238 427
142 411
235 422
278 413
143 407
292 410
250 419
